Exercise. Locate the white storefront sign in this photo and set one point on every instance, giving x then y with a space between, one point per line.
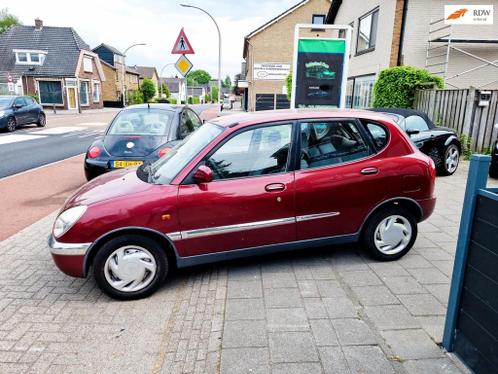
271 71
468 14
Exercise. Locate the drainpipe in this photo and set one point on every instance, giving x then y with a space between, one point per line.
402 33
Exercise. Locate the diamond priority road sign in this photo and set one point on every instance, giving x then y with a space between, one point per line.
183 65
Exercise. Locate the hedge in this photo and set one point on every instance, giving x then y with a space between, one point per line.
395 87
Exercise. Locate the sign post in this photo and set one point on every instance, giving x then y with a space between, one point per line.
320 68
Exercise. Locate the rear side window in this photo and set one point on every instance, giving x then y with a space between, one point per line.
331 143
379 134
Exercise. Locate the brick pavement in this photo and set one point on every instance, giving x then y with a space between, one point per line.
314 311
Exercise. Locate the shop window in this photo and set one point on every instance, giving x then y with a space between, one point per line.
367 32
50 92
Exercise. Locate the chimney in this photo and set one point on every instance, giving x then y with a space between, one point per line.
38 24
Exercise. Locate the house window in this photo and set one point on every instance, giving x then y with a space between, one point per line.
22 57
359 92
87 64
96 92
25 57
35 57
50 92
318 19
84 93
367 32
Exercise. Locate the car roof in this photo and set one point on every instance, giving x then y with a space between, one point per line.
163 106
246 119
406 112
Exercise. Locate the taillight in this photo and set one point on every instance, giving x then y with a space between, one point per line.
94 152
164 151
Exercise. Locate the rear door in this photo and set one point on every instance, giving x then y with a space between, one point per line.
21 111
250 202
32 109
340 178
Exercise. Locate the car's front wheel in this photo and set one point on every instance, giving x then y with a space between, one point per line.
451 160
11 124
42 120
390 233
130 267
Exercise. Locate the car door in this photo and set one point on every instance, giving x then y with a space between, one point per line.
340 178
419 132
21 112
32 110
250 202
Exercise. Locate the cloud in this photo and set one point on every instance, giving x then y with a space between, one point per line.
157 23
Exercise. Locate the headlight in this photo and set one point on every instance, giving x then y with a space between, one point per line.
67 219
2 113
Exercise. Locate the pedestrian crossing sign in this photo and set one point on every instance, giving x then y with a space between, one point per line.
183 65
182 45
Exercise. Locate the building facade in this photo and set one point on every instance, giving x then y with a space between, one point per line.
53 64
268 54
390 33
146 72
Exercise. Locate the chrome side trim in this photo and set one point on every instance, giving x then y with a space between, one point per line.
309 217
177 235
67 249
234 228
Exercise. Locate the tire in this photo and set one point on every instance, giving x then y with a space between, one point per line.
377 240
42 120
130 267
451 160
11 124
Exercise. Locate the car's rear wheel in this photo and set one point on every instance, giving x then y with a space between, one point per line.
42 120
130 267
390 233
451 160
11 124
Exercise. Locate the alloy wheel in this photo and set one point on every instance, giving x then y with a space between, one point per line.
393 234
452 159
130 268
11 124
42 120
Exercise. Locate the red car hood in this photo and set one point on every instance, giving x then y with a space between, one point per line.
108 186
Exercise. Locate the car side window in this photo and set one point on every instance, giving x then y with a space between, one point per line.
413 123
260 151
196 122
379 134
19 102
186 125
331 143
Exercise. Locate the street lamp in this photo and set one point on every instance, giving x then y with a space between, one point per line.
124 71
219 50
160 75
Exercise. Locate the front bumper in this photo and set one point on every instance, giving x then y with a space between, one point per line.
69 257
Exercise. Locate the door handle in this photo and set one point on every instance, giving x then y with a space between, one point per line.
368 171
272 187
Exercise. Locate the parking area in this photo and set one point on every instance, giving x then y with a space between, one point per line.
325 310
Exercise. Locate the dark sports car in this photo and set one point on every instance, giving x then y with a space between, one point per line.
440 143
140 134
493 169
16 111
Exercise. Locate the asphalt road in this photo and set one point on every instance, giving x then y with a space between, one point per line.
65 135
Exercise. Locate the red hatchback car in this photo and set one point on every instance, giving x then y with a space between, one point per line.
248 184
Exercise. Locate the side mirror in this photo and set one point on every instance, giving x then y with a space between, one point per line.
412 132
203 174
16 106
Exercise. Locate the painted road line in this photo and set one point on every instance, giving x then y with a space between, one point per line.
18 138
59 130
93 124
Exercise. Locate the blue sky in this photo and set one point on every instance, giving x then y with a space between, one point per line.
157 23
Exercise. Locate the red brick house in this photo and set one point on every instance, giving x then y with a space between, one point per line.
52 63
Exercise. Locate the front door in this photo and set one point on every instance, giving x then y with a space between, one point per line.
71 98
249 203
339 180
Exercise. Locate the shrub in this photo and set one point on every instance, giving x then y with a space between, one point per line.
135 97
172 100
190 100
466 142
288 82
395 87
148 89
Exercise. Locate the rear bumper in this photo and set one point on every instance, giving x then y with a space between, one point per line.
427 206
69 257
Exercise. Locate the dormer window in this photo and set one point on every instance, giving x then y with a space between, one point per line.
26 57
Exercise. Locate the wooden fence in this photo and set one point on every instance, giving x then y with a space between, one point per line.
458 109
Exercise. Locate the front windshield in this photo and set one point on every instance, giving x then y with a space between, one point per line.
142 121
166 168
5 102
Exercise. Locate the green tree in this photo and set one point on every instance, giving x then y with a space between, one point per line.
214 94
148 89
198 77
7 20
227 83
395 87
165 90
288 83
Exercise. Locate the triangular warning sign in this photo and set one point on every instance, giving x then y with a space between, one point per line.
182 45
